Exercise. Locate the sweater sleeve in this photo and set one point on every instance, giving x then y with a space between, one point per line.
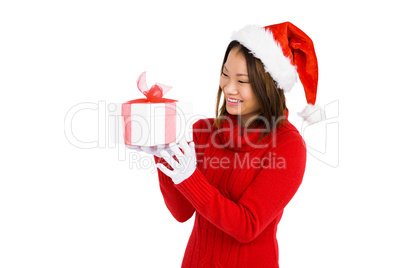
262 201
180 208
175 201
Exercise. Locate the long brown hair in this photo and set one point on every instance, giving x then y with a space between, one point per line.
271 98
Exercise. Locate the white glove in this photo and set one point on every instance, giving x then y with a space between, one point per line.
186 165
154 150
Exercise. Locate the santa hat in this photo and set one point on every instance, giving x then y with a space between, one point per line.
286 53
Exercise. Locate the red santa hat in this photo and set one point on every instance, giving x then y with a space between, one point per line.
286 53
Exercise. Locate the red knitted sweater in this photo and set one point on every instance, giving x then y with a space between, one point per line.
238 193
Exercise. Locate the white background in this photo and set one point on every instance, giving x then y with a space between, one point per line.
65 206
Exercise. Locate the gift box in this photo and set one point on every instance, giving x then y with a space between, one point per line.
154 120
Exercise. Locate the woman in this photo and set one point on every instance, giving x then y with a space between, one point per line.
244 166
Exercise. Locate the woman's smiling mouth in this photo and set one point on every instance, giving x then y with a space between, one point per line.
233 101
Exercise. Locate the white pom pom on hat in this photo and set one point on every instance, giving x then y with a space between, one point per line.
286 53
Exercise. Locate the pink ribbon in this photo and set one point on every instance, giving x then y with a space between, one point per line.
153 95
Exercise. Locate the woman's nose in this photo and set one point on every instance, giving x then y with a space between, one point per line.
230 88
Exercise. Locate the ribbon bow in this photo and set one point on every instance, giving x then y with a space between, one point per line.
157 91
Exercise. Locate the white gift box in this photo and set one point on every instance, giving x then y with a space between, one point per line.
151 124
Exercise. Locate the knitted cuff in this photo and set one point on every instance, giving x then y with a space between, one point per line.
196 189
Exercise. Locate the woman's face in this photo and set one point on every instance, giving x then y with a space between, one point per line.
234 81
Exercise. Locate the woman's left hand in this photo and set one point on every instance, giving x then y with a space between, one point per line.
185 164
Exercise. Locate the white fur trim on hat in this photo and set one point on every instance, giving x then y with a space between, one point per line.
262 45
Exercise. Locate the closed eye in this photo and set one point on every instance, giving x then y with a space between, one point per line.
239 81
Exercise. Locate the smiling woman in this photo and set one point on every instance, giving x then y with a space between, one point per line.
244 166
248 90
